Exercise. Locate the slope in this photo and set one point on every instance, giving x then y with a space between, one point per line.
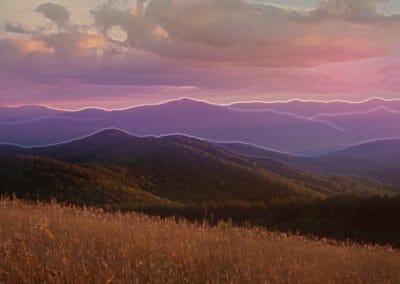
43 178
189 170
377 160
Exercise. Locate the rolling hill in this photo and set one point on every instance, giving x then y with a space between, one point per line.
171 169
186 177
377 160
43 243
384 151
43 178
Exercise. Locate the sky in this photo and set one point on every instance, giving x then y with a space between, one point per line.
118 53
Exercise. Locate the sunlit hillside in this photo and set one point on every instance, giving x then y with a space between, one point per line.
52 243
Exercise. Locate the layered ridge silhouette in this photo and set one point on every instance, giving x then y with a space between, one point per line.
289 127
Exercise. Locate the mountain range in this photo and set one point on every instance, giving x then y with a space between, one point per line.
379 160
312 109
295 127
113 167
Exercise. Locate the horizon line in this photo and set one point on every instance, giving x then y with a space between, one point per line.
204 101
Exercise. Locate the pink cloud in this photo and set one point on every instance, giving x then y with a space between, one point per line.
219 49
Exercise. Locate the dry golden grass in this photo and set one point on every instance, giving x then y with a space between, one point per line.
52 243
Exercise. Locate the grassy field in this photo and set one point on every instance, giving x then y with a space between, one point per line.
53 243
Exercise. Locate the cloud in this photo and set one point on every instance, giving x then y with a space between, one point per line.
353 10
139 29
218 47
56 13
239 32
33 46
16 28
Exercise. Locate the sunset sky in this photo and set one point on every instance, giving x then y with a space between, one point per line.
118 53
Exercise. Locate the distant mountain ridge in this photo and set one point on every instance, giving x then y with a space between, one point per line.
315 108
385 150
13 115
378 159
283 126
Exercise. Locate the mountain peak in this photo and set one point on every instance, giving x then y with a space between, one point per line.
111 133
188 102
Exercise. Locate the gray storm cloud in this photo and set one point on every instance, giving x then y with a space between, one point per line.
16 28
56 13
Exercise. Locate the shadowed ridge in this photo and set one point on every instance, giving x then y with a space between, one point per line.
42 178
384 151
254 150
378 160
109 133
79 150
9 149
182 168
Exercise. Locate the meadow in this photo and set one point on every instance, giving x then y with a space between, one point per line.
42 242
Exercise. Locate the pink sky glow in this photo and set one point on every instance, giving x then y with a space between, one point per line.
118 53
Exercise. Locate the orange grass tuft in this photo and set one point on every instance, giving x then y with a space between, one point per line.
54 243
